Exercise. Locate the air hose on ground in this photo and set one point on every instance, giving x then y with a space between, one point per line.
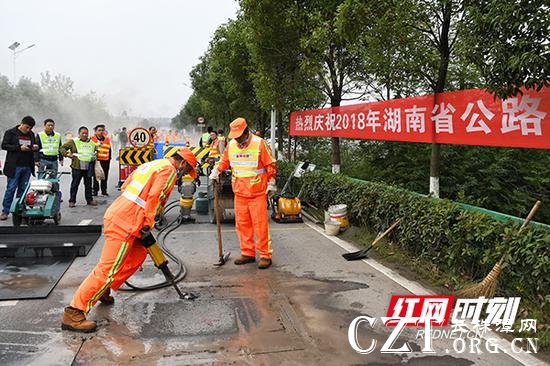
161 237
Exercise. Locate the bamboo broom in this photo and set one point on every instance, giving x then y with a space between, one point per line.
488 286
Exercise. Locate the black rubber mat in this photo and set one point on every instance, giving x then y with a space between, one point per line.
42 241
30 278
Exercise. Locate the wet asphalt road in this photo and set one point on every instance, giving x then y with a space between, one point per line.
295 313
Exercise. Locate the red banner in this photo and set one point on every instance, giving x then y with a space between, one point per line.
467 117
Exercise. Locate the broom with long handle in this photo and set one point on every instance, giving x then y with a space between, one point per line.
488 286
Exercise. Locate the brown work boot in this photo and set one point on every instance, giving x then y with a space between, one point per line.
106 298
92 203
74 319
264 263
3 216
72 204
244 259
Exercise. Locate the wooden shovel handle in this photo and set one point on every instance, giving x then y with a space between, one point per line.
386 232
217 213
530 216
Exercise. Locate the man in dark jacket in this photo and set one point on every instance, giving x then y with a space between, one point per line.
20 144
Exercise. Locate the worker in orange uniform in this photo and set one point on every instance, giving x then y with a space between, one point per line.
103 143
144 195
217 147
253 177
154 137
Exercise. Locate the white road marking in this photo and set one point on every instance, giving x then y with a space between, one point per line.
417 289
24 331
18 344
228 230
85 222
8 303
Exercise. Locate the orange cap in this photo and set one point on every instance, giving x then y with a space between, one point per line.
190 158
237 128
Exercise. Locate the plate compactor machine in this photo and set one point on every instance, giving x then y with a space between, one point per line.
286 205
41 200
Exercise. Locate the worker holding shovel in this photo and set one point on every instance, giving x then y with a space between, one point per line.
127 225
253 177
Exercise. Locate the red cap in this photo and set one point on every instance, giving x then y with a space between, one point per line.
190 158
237 128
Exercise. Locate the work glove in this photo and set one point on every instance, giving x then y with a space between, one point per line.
271 189
147 238
214 175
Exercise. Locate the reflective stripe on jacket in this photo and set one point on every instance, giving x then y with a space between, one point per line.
205 138
214 149
85 150
50 143
252 166
103 147
144 194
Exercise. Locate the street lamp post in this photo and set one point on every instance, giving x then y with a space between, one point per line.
13 47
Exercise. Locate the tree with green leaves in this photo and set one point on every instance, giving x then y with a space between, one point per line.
221 81
508 42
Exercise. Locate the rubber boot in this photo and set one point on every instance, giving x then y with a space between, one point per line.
106 298
244 259
264 263
75 320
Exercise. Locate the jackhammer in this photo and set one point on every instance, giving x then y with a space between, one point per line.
160 261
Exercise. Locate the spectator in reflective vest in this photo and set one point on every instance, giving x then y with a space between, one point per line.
82 151
205 138
154 137
103 143
217 146
253 172
49 155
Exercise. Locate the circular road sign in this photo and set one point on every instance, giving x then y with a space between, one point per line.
200 120
139 137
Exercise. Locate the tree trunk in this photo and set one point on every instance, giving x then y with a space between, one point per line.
280 133
294 148
335 143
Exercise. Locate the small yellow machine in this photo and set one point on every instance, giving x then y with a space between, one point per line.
286 205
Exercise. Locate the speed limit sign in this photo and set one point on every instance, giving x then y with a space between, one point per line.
139 137
200 120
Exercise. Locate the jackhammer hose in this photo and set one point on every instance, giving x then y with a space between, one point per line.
161 237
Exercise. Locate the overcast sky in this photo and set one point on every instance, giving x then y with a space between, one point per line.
136 54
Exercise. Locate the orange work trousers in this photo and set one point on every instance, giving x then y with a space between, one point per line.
121 257
251 219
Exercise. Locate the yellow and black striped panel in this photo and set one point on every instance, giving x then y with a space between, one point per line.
199 152
135 156
170 150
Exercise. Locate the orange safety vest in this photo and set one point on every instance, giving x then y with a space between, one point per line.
152 140
247 179
214 151
103 147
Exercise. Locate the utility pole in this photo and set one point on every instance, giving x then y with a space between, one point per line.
14 47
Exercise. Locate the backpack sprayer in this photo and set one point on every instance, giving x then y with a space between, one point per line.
287 207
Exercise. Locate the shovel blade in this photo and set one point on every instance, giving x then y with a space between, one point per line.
224 258
355 255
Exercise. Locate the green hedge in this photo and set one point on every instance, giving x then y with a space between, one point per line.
462 243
